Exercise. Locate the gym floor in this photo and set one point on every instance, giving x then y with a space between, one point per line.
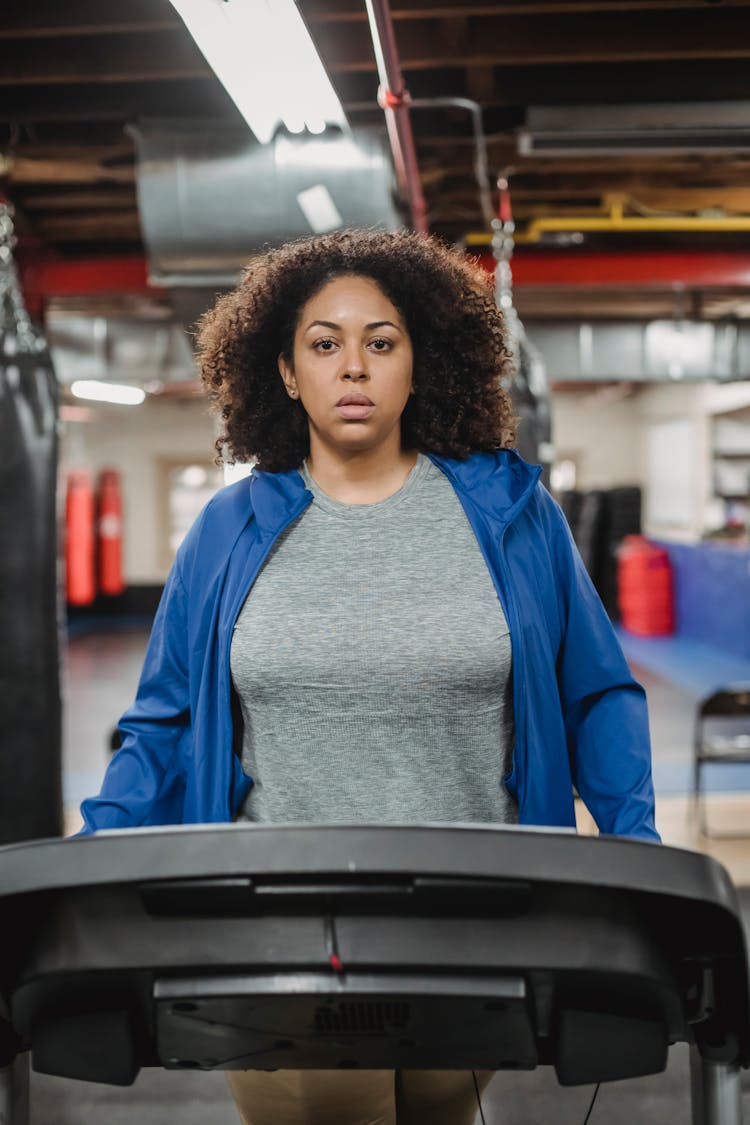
100 673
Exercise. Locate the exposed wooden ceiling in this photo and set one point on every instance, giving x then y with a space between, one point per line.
74 75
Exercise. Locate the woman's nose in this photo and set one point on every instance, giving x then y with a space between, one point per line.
353 364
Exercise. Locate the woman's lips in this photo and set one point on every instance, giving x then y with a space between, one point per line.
355 407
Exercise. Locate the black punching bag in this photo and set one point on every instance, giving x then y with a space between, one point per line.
30 711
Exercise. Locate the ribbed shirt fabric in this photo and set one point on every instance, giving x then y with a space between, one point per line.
372 662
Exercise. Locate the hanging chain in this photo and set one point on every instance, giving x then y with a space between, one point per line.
503 245
17 332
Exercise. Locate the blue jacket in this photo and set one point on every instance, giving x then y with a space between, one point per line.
580 718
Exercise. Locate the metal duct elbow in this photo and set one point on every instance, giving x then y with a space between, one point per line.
210 196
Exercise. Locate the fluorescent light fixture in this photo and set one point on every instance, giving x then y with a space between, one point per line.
261 52
656 127
97 391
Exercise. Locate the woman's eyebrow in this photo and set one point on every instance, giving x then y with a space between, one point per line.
337 327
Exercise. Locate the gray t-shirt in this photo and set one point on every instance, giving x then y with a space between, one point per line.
372 661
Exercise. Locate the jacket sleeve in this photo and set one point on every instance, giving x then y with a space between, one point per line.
604 708
144 783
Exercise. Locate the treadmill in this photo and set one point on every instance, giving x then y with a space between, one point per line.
494 948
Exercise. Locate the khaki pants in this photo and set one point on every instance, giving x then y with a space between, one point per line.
356 1097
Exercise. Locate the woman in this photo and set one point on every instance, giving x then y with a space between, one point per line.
388 620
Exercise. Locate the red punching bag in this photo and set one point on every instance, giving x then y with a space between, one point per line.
79 539
109 531
644 588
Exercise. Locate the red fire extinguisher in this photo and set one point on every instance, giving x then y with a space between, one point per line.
109 533
80 581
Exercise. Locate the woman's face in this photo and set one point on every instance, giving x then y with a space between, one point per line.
352 367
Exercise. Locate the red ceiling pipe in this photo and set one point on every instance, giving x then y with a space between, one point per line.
648 268
42 279
394 99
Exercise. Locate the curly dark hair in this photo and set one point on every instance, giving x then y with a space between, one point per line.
446 301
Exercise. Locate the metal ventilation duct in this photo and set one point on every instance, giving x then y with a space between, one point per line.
617 129
118 349
211 196
643 351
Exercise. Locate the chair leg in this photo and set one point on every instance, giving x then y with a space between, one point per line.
699 797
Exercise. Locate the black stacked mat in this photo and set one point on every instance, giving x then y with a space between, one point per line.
599 520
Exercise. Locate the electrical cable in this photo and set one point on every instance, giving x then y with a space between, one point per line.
479 1099
481 1111
591 1104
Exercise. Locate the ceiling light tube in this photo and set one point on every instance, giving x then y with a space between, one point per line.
262 53
122 394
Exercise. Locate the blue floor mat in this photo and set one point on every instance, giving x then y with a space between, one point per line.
675 779
697 668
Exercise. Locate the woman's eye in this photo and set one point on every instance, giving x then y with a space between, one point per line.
381 344
324 345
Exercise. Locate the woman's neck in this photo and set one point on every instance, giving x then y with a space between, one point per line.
361 478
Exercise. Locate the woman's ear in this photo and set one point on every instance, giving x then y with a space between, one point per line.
287 374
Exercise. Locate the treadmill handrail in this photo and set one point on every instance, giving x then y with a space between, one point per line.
207 851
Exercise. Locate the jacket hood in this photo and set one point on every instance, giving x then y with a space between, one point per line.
501 483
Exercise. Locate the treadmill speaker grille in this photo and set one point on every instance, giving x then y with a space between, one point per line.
361 1018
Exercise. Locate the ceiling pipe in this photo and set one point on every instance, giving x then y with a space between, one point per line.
614 220
544 268
481 162
394 99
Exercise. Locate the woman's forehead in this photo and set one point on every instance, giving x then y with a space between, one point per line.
350 295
